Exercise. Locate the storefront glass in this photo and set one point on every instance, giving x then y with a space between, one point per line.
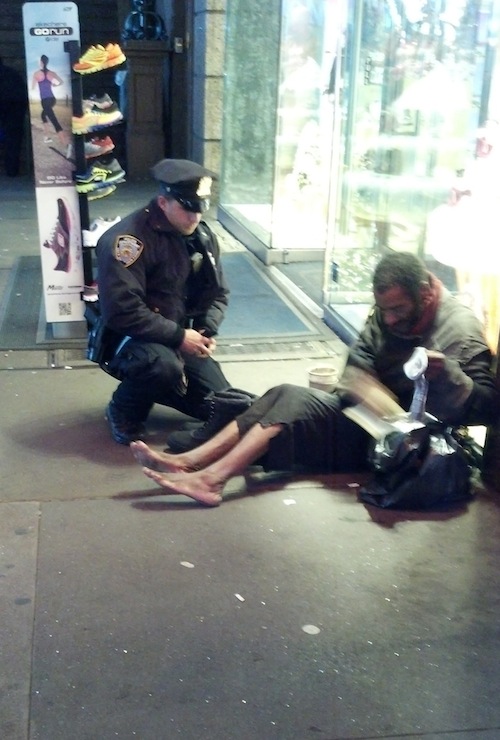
278 123
355 127
304 124
418 164
251 82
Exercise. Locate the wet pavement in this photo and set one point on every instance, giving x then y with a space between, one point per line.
292 611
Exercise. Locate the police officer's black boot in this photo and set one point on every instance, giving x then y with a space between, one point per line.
224 407
124 430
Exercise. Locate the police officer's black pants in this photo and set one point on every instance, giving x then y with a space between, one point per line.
152 373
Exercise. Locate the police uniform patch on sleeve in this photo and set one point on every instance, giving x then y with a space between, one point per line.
128 249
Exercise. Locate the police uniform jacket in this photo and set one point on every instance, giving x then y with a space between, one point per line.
154 282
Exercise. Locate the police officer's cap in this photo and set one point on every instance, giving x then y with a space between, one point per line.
188 182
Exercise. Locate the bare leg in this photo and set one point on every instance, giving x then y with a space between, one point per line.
194 459
63 137
206 485
66 142
47 132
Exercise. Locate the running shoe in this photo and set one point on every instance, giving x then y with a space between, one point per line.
95 120
59 240
101 192
91 293
98 57
103 102
98 175
104 184
96 229
97 147
115 55
89 107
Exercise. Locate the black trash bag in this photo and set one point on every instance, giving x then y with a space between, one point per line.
424 468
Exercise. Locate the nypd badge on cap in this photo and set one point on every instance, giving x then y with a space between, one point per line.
188 182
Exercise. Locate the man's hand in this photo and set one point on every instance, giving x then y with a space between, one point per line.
196 344
370 392
436 365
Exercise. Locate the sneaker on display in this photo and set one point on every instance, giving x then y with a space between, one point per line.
60 237
105 184
97 228
98 57
99 174
95 120
103 102
89 107
97 147
91 293
101 192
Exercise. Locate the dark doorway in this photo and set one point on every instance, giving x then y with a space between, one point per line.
180 103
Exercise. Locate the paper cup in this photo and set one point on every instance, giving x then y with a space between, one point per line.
323 377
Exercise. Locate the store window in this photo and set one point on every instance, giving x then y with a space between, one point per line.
420 144
278 123
353 127
304 125
249 127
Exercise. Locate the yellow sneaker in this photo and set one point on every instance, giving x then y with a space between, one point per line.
115 55
93 60
98 57
95 120
101 192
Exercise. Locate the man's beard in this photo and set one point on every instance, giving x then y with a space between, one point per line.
404 327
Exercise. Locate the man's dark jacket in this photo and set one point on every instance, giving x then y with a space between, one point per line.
466 392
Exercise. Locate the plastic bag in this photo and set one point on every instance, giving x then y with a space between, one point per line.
423 468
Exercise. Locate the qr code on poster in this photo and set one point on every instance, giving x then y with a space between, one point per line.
65 309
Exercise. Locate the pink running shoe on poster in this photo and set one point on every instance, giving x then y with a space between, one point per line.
60 237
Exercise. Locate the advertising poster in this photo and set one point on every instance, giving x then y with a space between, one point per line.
47 26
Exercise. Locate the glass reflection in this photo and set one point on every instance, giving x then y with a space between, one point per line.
419 86
356 126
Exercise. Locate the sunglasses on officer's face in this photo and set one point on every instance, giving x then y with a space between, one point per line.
200 205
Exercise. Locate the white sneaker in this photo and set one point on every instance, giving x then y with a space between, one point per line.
97 228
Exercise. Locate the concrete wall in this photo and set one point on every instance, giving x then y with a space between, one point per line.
208 69
196 85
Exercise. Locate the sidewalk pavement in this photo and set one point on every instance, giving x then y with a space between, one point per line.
292 611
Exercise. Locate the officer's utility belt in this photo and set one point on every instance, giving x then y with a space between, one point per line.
103 343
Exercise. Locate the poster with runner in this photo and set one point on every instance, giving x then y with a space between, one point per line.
47 27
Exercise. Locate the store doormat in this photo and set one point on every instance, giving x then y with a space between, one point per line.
21 305
257 310
22 315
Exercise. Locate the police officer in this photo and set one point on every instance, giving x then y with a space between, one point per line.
162 289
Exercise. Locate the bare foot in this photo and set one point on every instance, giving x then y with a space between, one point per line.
161 461
195 485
